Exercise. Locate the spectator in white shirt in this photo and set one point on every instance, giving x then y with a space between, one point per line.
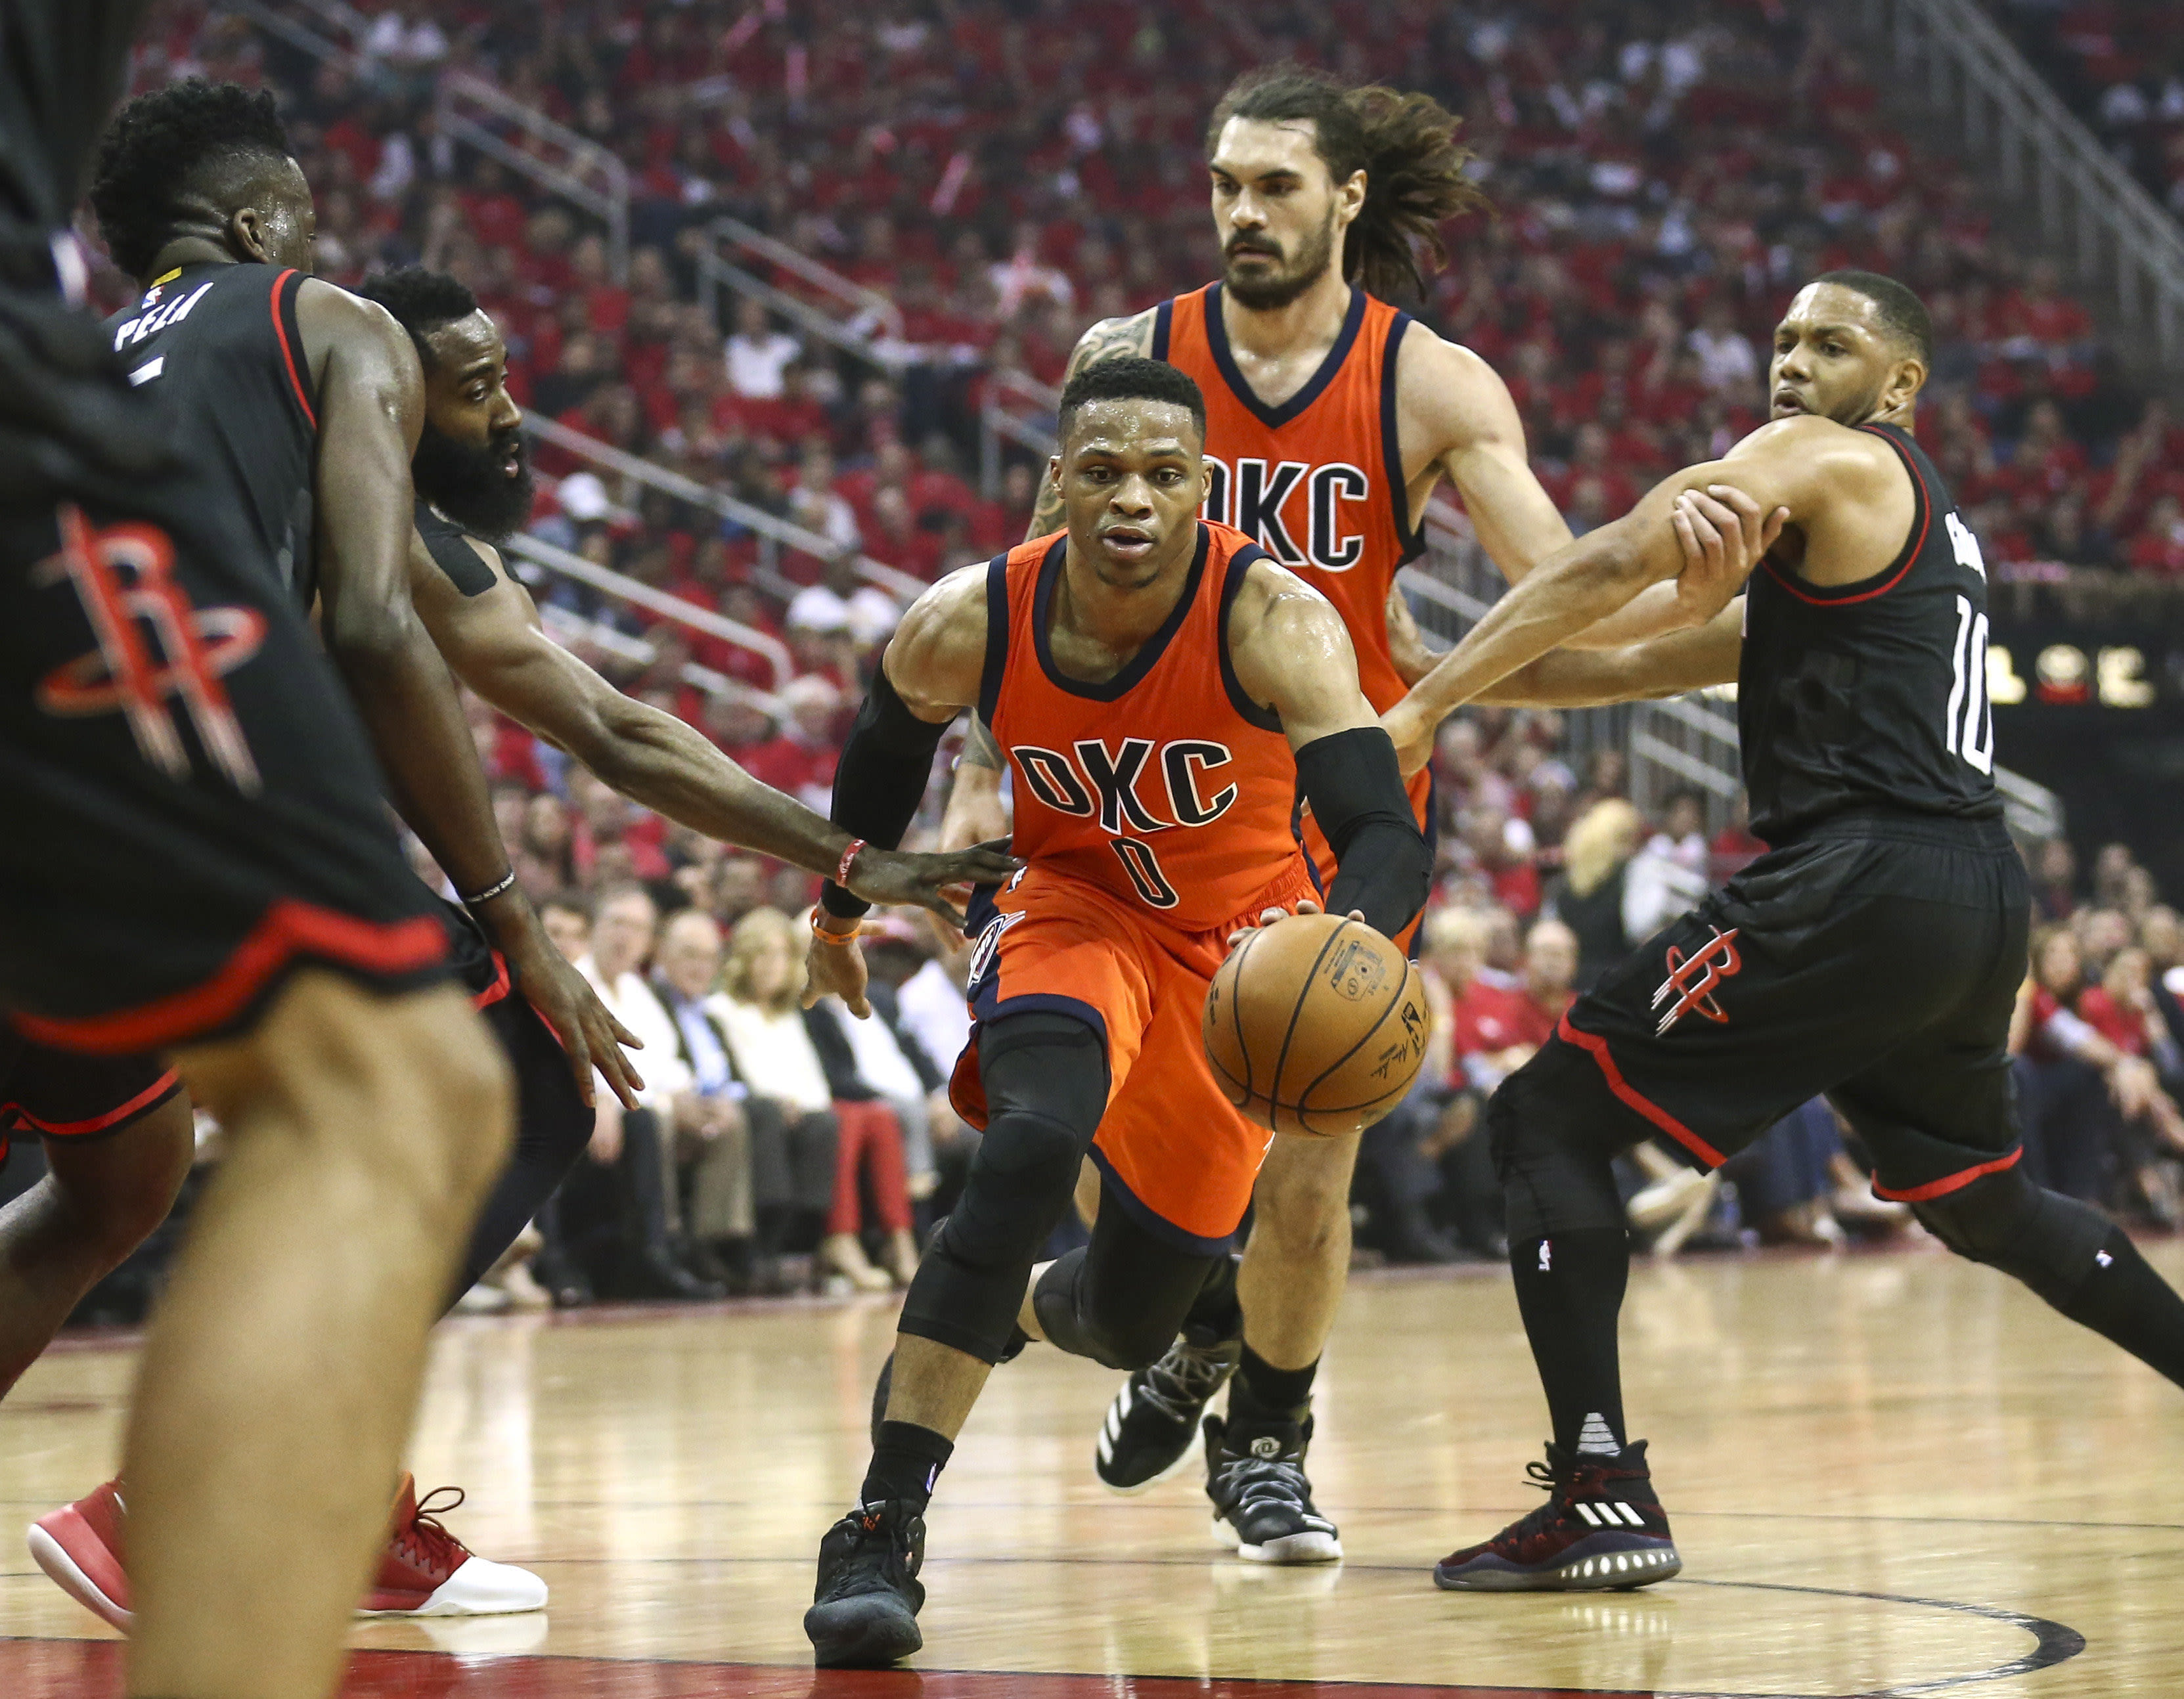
758 353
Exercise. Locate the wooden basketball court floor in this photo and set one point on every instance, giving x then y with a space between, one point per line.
1890 1473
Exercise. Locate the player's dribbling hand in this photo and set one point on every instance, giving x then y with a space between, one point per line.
1722 534
837 970
1268 916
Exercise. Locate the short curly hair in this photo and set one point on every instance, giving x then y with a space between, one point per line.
1132 377
421 301
164 144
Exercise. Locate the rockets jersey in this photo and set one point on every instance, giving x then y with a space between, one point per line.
1873 695
1317 482
1165 784
218 347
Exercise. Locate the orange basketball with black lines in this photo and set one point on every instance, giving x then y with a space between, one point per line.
1316 1024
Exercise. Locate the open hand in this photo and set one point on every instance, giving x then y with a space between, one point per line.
589 1032
1724 534
939 884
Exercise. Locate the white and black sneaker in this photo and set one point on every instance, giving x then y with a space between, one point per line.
1262 1502
1152 1429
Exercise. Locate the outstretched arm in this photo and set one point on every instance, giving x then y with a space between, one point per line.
1292 654
1664 667
498 647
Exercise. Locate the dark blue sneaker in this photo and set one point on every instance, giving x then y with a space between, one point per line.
1602 1528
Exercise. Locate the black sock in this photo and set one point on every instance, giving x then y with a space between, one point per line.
2122 1299
905 1463
1570 1289
1262 1393
1215 1308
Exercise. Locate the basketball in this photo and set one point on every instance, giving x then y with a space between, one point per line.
1316 1024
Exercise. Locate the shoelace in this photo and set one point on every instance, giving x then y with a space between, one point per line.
1182 1381
1257 1481
878 1547
1538 1474
426 1541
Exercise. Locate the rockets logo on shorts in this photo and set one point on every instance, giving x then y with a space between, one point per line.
153 646
1690 987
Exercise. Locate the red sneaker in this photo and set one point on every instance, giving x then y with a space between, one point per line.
79 1546
424 1572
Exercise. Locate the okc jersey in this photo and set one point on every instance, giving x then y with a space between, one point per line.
1317 481
219 349
1164 785
1872 695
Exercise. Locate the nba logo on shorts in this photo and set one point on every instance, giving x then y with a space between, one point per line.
1692 978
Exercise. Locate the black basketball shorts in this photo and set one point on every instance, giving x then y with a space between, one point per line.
1875 962
59 1094
188 809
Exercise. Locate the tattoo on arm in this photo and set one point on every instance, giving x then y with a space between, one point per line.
980 747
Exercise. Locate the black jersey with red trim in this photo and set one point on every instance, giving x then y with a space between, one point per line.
218 348
1872 695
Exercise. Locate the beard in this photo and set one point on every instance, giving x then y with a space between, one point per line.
1264 292
471 484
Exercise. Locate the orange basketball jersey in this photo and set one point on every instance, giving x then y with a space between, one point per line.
1165 785
1317 482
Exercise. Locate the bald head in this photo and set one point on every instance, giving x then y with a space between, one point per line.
689 955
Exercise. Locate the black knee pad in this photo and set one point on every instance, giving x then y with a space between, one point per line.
2045 1239
1117 1335
1554 1149
1045 1077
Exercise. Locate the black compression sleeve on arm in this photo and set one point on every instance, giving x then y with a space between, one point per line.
1383 868
880 779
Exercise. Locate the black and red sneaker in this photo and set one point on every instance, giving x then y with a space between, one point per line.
1602 1530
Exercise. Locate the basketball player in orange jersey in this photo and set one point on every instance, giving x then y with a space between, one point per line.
1164 691
1330 415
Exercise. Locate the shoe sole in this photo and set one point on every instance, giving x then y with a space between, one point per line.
1614 1571
870 1633
1309 1547
52 1556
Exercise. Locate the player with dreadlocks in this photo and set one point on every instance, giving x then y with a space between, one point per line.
1330 415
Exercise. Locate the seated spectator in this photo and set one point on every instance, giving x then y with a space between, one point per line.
627 1239
760 985
712 1130
759 352
876 1087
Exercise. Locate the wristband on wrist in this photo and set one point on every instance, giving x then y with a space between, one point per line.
848 860
500 887
843 930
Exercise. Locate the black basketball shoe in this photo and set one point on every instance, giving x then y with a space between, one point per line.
1262 1502
1152 1429
1601 1528
864 1609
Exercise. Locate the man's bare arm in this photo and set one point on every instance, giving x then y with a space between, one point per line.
1108 338
1666 665
497 645
976 813
1457 406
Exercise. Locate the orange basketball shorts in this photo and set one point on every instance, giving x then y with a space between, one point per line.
1420 787
1171 1149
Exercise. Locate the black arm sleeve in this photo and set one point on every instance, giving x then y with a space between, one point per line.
1383 868
880 779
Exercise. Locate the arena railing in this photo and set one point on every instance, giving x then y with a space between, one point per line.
773 533
2089 206
572 630
1679 743
471 110
867 326
1018 408
553 558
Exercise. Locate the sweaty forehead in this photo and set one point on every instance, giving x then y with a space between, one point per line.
465 344
1253 146
1133 427
1831 303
